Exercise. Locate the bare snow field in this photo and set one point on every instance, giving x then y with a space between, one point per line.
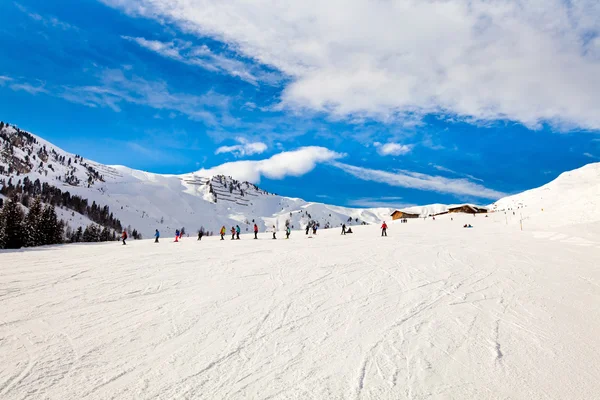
433 311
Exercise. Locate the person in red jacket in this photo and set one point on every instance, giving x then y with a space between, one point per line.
384 229
124 236
255 231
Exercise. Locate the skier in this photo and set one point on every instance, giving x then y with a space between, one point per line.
307 228
384 229
237 232
200 234
343 229
177 235
124 236
255 231
223 231
232 233
156 235
314 229
288 231
274 232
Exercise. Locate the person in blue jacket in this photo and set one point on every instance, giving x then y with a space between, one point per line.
237 232
156 235
177 234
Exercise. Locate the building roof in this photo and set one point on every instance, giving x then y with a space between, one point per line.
474 208
403 212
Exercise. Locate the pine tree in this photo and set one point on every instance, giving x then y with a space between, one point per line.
33 234
11 218
105 235
91 233
78 236
51 228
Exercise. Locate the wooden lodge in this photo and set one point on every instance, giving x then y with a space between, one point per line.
467 209
403 215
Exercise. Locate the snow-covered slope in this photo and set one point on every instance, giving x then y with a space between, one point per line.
148 201
433 311
572 198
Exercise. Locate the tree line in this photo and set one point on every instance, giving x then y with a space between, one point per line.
26 189
37 224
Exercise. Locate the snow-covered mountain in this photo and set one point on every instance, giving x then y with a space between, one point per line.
148 201
572 198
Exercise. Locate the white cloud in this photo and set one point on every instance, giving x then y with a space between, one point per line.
289 163
115 88
4 79
590 155
418 181
203 57
444 169
392 149
26 87
379 202
244 148
529 61
48 21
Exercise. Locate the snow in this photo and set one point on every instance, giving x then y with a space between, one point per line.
572 198
433 311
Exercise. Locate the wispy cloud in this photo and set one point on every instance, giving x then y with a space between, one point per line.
379 202
26 87
392 149
4 80
288 163
590 155
244 148
114 88
444 169
49 21
204 57
418 181
521 52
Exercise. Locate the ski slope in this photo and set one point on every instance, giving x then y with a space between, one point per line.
572 198
434 311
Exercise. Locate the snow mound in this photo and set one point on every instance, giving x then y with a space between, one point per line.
572 198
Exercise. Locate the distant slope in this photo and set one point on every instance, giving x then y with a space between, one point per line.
572 198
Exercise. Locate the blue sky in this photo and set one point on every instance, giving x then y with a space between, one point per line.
389 103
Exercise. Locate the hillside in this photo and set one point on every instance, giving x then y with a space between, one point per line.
572 198
148 201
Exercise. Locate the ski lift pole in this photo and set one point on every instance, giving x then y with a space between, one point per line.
521 214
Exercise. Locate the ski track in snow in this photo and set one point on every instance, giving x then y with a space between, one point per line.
433 311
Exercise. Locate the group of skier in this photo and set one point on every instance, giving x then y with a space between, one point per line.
235 232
